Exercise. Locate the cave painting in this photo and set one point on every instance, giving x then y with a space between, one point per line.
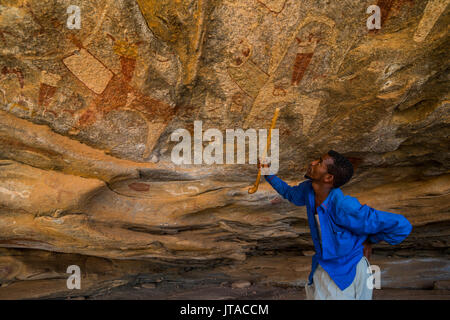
431 14
310 51
16 100
237 103
308 108
110 91
46 27
244 72
15 71
117 93
240 105
19 101
303 58
15 105
47 88
90 71
2 35
275 6
387 6
278 91
139 186
181 25
249 77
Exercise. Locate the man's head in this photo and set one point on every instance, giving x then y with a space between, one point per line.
330 169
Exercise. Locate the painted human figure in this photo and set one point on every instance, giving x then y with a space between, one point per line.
303 58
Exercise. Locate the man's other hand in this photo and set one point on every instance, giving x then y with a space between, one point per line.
367 249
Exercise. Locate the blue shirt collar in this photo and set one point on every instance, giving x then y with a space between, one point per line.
325 205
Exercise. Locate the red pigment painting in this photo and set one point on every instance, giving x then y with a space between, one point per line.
46 92
138 186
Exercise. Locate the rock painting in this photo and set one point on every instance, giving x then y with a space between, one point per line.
15 71
388 7
307 107
89 70
139 186
431 14
181 24
244 72
303 58
274 6
120 94
308 53
47 88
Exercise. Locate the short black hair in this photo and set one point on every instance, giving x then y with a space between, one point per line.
341 169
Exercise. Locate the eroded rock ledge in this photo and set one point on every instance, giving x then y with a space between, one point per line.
86 116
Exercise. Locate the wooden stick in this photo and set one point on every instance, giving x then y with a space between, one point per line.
254 188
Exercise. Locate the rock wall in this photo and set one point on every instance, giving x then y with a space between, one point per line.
87 114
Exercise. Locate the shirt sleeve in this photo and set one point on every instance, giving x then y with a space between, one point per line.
295 194
377 225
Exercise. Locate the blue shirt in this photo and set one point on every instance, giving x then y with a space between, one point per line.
345 224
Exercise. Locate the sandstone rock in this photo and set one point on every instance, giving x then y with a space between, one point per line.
241 284
442 285
86 118
41 192
77 298
148 285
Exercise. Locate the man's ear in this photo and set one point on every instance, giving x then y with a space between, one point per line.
329 178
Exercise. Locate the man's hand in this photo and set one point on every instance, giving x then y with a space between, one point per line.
367 249
263 165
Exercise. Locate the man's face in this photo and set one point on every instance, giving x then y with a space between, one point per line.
318 170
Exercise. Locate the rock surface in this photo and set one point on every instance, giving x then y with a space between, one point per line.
86 118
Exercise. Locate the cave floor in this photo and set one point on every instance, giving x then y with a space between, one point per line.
254 292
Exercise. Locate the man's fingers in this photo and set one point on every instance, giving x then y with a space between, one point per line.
262 165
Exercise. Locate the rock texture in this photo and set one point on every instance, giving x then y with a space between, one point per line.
86 117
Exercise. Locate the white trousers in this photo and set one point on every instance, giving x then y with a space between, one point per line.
324 288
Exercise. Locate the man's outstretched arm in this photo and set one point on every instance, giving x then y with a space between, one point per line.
377 225
295 194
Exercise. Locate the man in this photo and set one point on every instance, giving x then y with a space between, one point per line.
340 228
